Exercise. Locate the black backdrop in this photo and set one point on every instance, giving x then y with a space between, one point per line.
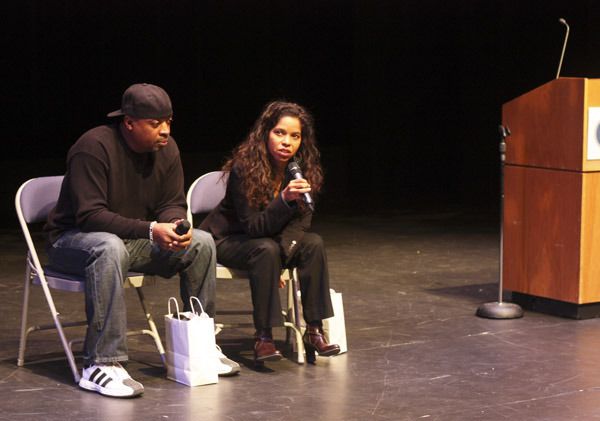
407 94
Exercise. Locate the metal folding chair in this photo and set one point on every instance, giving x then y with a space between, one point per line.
205 193
34 200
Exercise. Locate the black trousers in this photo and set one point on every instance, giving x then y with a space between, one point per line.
261 258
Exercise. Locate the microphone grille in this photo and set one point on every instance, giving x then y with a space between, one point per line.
293 167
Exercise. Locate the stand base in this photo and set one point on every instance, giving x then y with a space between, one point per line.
556 307
497 310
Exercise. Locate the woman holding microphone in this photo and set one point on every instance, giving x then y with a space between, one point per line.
262 224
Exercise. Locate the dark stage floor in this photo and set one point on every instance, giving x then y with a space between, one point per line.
411 283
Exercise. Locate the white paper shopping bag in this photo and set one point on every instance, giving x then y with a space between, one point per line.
190 346
334 328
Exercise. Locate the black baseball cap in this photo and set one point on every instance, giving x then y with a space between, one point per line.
144 100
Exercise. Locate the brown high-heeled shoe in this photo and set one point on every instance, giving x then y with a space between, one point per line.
315 341
264 347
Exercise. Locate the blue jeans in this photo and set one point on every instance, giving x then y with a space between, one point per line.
104 260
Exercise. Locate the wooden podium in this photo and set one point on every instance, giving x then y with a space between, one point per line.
551 226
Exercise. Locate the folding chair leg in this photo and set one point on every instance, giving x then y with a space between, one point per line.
153 330
61 332
294 318
295 301
57 323
24 315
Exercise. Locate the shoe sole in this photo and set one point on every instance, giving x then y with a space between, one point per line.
274 357
233 372
93 387
329 353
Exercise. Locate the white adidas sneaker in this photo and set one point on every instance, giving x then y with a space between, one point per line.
225 366
110 379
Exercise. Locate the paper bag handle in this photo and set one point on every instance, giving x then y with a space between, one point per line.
176 306
199 303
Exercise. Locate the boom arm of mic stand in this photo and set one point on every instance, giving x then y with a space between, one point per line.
564 22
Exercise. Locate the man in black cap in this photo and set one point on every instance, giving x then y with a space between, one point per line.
121 200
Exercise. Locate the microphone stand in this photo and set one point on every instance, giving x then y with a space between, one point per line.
499 309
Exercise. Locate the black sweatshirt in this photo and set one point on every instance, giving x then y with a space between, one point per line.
110 188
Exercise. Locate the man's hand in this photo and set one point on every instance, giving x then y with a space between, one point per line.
167 239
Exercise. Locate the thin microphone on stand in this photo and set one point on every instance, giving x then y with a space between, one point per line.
504 131
296 173
564 22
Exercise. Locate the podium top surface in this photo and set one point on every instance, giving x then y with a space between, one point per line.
556 126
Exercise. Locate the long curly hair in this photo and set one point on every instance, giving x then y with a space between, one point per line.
252 155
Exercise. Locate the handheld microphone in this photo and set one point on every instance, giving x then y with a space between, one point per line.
296 173
183 227
564 22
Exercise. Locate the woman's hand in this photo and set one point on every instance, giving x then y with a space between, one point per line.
295 189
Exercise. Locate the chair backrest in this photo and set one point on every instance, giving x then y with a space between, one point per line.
206 192
33 202
36 198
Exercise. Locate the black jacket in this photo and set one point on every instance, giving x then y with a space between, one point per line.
283 222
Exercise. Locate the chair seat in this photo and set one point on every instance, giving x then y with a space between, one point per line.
61 281
224 272
76 283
